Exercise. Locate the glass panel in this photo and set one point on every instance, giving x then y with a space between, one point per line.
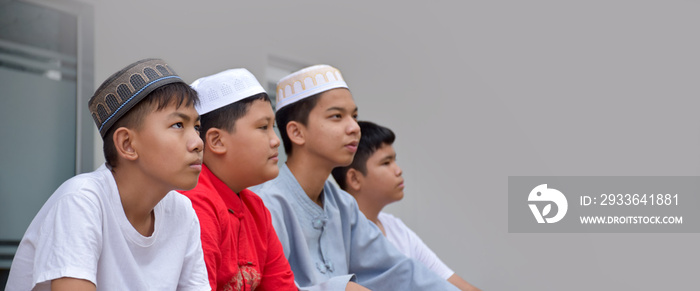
38 89
38 142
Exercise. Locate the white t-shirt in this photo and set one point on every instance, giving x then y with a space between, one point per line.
82 232
408 243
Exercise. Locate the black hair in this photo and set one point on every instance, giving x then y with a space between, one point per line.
297 111
225 117
373 137
178 93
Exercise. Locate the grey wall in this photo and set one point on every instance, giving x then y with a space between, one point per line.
477 91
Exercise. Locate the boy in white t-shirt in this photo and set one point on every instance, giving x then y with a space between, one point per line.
375 180
122 227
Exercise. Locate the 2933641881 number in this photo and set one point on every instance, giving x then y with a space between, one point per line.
639 199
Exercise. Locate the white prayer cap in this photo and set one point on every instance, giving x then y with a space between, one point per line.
308 82
224 88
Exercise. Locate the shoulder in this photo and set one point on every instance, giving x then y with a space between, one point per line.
177 205
270 188
177 217
389 219
255 208
204 197
250 195
197 193
338 196
251 199
98 181
82 199
272 193
396 231
175 199
91 189
280 197
282 185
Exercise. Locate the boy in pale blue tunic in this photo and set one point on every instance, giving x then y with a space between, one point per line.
329 243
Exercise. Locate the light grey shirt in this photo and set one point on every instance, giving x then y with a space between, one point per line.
327 247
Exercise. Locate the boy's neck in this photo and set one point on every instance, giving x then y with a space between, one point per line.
310 174
138 196
370 209
217 167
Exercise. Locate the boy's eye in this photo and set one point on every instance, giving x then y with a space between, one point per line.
197 127
177 125
264 127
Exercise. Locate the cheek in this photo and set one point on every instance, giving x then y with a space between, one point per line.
388 177
254 152
327 130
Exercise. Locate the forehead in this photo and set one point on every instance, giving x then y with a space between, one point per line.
259 109
383 151
172 109
339 98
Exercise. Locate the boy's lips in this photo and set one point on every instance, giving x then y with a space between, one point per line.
274 157
352 146
197 165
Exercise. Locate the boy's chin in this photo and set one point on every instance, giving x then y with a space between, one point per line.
187 186
346 162
271 174
264 176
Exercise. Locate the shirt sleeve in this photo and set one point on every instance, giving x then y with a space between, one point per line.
421 252
70 241
194 270
277 275
209 237
380 266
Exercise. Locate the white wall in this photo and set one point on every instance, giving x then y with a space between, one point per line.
477 91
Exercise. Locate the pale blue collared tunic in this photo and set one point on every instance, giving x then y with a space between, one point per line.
330 246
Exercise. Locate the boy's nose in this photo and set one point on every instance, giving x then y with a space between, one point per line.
353 127
196 143
274 140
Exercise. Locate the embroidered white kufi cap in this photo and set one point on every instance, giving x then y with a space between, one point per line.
308 82
224 88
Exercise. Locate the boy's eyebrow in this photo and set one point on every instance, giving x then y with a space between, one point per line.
389 156
266 118
340 109
185 116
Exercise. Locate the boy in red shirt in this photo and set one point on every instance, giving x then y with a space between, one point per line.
241 248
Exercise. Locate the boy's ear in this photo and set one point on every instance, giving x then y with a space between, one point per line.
124 143
295 132
353 179
214 141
